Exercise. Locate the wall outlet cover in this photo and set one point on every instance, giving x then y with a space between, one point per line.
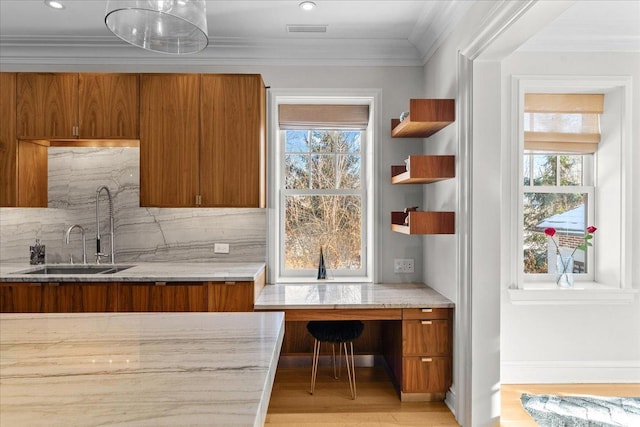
221 248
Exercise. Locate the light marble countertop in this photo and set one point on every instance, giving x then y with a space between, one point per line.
141 272
149 369
349 295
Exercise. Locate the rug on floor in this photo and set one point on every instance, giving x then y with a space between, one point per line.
550 410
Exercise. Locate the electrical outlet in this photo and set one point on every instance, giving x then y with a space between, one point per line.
221 248
403 265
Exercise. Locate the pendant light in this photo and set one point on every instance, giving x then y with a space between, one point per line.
166 26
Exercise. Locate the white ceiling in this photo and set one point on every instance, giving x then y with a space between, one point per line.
374 32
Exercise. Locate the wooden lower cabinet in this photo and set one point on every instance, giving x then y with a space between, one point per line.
418 351
236 296
426 374
73 297
161 296
21 297
80 297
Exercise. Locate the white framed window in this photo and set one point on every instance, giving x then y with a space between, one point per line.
322 187
591 185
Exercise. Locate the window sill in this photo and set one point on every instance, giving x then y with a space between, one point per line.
340 279
583 293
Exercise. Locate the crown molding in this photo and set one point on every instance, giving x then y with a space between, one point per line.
65 50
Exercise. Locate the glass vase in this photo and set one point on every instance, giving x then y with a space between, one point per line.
564 271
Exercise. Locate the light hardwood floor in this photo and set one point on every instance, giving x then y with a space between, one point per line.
377 404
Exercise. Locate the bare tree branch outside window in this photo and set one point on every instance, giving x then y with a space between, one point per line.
323 198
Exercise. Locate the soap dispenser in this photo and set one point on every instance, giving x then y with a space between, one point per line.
37 253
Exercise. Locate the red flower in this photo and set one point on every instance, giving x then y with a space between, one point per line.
550 231
591 229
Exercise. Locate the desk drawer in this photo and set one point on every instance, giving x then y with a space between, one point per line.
426 313
426 374
426 337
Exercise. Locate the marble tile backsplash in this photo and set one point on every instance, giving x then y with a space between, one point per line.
141 234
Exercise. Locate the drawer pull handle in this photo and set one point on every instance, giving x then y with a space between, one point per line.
427 310
161 283
427 359
53 284
427 322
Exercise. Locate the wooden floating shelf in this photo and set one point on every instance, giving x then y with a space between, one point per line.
423 222
426 117
424 170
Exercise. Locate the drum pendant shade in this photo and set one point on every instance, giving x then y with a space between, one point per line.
166 26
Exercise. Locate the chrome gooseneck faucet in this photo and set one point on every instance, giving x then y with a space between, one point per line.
84 242
99 253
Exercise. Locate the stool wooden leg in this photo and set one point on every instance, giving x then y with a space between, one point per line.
314 365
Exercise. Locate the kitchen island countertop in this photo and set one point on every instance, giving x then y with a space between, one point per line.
144 271
150 369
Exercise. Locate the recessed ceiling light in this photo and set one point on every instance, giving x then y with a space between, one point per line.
307 5
54 4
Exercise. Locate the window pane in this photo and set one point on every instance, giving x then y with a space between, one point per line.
566 213
324 140
570 170
349 142
296 171
526 169
297 141
348 171
544 170
333 222
323 171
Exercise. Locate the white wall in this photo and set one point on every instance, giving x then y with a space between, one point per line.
575 343
398 85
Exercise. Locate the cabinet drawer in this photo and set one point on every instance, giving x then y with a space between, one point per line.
426 313
426 337
426 374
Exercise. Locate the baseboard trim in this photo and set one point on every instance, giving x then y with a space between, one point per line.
561 372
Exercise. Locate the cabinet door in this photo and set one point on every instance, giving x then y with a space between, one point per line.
108 106
47 105
20 298
33 174
236 296
151 297
169 139
232 166
426 374
426 337
74 297
8 141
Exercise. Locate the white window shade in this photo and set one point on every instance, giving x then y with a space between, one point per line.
567 123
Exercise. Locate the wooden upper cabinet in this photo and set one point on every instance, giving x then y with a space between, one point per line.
72 105
202 140
108 106
8 140
169 139
47 105
23 164
233 110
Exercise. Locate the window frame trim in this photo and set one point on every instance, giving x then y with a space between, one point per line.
519 292
370 96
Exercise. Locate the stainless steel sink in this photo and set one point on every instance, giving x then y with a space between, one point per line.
57 269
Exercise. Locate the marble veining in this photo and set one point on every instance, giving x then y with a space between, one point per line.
350 296
142 234
145 272
149 369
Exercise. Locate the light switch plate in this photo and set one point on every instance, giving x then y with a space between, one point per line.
221 248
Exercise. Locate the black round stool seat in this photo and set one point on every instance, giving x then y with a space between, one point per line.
335 331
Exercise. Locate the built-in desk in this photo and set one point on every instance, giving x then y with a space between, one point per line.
409 324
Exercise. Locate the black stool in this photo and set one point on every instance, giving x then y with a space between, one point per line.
338 332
